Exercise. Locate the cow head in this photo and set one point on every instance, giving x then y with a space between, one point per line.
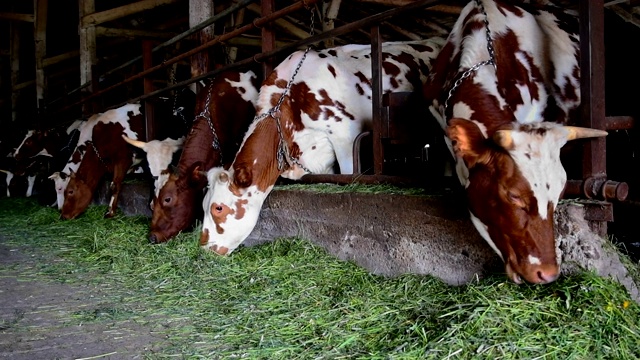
60 181
514 182
160 154
176 206
77 197
231 209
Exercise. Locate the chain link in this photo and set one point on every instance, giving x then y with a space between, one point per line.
474 68
207 116
95 150
282 154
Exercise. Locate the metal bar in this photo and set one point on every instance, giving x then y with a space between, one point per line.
147 62
257 23
376 99
620 122
268 35
592 85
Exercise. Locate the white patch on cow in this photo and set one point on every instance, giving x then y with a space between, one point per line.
538 158
159 155
251 93
317 154
246 210
534 260
111 201
31 180
76 125
482 230
8 177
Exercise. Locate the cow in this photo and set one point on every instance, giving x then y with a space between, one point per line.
43 151
61 178
161 155
504 88
106 153
225 107
312 107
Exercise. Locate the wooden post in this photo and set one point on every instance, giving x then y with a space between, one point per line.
40 42
592 85
268 37
87 50
330 15
147 62
14 55
199 11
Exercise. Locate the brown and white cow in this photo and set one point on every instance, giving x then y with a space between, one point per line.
507 123
61 178
327 105
231 97
105 153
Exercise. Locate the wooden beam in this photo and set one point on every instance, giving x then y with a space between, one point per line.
14 30
88 57
59 58
328 23
283 24
16 17
93 18
199 11
40 42
132 33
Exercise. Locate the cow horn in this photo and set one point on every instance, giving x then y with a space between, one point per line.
136 143
5 171
576 132
503 138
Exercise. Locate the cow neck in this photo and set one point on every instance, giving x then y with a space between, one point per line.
472 70
283 155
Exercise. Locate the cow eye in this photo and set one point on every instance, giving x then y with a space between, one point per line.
516 199
167 200
219 208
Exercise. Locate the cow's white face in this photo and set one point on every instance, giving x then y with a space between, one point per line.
230 213
60 180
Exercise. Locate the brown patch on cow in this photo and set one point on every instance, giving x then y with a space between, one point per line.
240 206
363 79
332 70
332 52
359 89
204 237
275 97
219 213
220 250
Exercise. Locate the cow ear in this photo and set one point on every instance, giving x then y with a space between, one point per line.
468 141
242 177
198 175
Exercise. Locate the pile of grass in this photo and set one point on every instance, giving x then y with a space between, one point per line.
291 300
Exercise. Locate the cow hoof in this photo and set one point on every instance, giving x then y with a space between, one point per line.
108 215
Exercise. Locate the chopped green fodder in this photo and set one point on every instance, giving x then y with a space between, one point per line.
290 299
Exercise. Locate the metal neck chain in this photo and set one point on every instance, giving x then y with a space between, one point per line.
207 116
474 68
95 150
283 155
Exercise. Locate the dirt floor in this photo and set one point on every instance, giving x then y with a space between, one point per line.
43 318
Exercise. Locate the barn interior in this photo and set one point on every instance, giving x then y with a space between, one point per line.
65 60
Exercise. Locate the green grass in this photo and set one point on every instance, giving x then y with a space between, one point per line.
291 300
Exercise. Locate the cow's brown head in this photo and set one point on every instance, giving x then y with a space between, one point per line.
77 197
515 179
178 204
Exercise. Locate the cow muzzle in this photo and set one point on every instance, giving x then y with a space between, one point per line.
534 274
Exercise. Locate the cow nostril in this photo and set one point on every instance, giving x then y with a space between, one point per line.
547 276
153 239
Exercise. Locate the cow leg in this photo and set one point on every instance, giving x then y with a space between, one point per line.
119 173
343 147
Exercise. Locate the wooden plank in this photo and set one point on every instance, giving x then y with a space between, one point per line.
46 62
133 33
282 23
40 42
331 14
592 85
199 11
16 16
88 57
14 59
93 18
